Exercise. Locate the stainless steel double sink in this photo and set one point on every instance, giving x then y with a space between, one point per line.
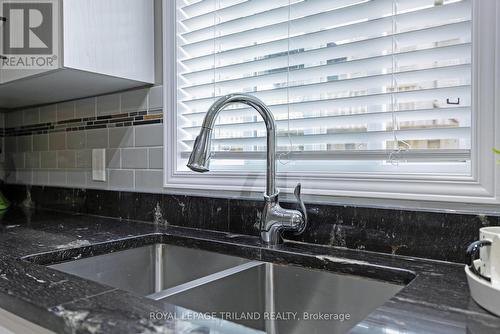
282 299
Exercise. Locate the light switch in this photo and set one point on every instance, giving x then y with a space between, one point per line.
99 164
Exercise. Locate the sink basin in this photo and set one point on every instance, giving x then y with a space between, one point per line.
264 297
149 269
298 299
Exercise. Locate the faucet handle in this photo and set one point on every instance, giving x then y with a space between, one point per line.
296 192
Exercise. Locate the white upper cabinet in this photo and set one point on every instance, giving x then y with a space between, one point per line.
56 50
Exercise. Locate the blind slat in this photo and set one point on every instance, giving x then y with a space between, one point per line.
335 138
339 120
431 97
415 155
197 8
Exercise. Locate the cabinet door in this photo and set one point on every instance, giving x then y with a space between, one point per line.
110 37
30 38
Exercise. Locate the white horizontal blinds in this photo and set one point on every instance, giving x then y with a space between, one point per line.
348 76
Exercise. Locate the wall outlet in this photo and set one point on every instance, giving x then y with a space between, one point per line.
99 164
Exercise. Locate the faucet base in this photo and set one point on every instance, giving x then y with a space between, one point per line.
276 220
271 237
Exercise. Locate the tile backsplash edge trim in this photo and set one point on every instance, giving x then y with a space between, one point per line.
88 123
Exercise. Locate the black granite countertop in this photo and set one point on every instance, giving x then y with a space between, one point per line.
436 299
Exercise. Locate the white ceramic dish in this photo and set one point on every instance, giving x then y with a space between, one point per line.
483 292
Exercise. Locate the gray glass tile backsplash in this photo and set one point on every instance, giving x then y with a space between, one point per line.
51 145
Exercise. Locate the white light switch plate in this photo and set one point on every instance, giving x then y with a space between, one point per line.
99 164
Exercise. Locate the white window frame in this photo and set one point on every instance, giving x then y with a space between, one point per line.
482 187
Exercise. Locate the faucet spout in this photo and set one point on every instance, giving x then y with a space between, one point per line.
275 219
200 156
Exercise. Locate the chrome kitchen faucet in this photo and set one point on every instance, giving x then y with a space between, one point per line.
275 219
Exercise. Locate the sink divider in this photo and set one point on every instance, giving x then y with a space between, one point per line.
158 267
203 280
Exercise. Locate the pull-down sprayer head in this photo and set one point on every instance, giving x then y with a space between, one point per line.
199 160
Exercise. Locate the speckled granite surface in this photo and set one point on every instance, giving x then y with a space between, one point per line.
426 234
436 300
